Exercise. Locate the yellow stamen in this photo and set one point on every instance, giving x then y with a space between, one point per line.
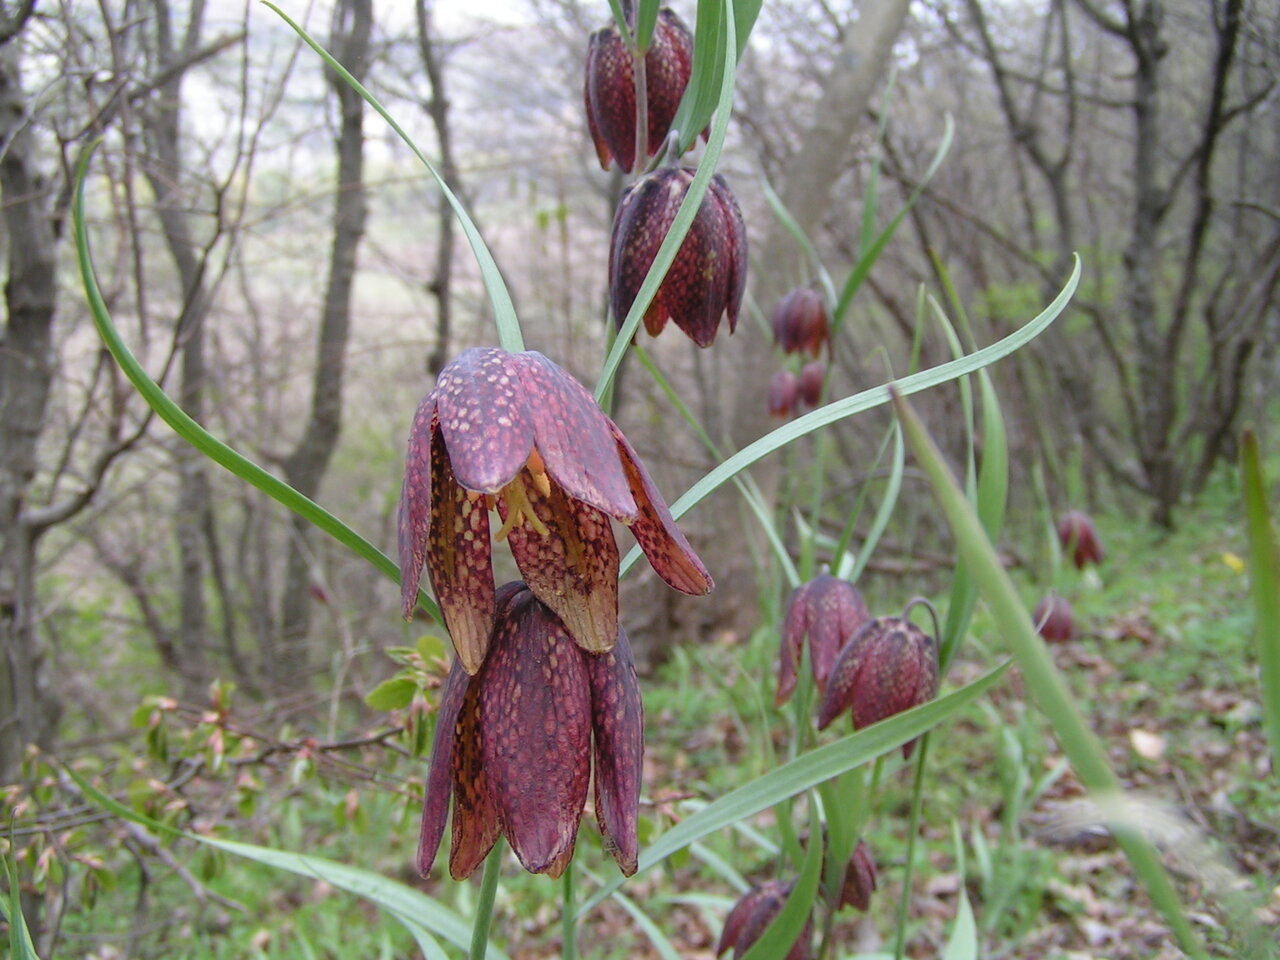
519 509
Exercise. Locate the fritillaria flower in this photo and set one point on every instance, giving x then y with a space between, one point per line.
810 387
827 610
512 432
513 746
1079 537
888 666
1053 618
751 916
783 390
709 274
859 879
800 322
610 88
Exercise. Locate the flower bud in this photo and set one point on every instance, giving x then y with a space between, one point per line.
610 88
859 879
800 322
1079 537
751 916
782 394
1052 618
709 274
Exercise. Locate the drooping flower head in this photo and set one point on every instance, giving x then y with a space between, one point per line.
1079 536
513 746
1053 618
859 879
709 274
610 88
827 610
800 322
753 913
783 391
512 432
810 384
889 665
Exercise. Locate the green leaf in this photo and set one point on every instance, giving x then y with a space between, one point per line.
196 435
394 694
20 945
504 312
805 771
422 915
866 400
646 19
1264 572
963 942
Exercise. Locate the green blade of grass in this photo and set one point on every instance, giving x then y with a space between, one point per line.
20 945
409 906
1264 572
804 772
504 311
196 435
866 400
1044 683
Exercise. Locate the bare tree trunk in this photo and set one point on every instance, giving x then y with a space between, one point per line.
28 711
305 466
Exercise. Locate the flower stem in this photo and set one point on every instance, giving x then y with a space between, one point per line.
569 932
642 112
484 906
913 830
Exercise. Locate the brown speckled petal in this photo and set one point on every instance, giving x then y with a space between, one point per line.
435 804
655 530
836 612
573 568
617 723
415 504
744 908
838 697
640 223
535 718
484 418
458 561
736 245
572 435
598 38
791 649
475 818
611 98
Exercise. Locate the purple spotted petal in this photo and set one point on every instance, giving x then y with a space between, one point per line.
458 561
414 515
655 530
859 879
475 818
535 717
758 909
573 436
838 697
573 568
435 805
836 612
790 651
485 418
617 723
734 245
744 908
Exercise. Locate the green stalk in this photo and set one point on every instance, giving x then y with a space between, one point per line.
568 919
913 831
1043 681
1264 573
484 906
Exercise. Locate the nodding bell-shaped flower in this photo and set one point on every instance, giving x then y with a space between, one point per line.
1053 618
751 916
888 666
827 610
800 322
859 879
783 390
709 274
1079 537
513 746
512 432
811 377
610 88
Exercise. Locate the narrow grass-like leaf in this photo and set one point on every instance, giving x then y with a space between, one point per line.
720 866
198 436
963 942
1264 571
1044 683
679 228
646 20
504 311
792 227
868 259
887 505
409 906
20 945
787 926
709 45
866 400
804 772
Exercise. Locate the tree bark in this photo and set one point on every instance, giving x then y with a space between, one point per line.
306 464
